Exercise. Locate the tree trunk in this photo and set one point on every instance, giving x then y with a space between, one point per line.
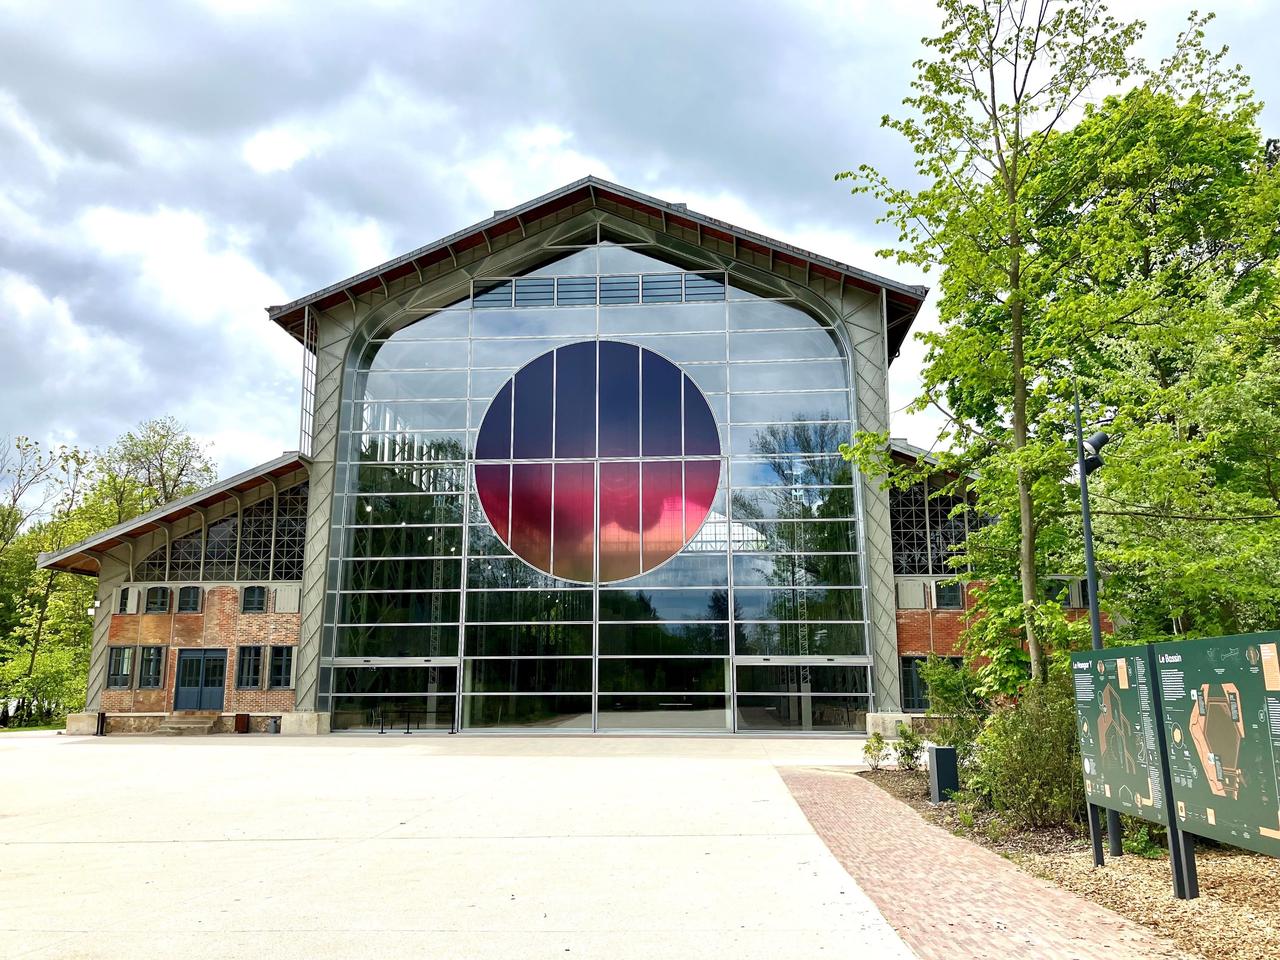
1026 517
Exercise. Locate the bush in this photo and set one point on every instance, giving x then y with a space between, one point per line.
909 748
955 702
1028 761
874 750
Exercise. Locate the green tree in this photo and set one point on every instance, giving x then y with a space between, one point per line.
1070 238
152 465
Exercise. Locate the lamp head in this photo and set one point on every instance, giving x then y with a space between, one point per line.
1092 451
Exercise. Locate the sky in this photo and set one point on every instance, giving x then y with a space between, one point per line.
169 170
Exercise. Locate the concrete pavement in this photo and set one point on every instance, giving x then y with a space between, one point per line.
400 846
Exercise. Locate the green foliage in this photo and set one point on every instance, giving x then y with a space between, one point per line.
1134 253
1028 759
874 750
909 748
55 498
956 703
1143 839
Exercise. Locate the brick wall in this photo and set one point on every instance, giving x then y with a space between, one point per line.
220 625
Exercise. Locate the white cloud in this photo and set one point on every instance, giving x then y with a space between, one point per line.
279 148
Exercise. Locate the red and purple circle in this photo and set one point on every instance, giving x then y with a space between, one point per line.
597 461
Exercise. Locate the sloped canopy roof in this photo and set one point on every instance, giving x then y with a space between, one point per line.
85 556
904 300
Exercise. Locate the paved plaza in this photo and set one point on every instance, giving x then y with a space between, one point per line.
529 847
401 846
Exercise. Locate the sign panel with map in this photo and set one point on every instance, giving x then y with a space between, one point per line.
1221 700
1116 722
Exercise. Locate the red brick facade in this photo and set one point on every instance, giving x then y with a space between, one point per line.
219 624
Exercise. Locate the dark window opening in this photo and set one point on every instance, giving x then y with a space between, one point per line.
120 667
157 600
948 596
253 600
249 668
189 600
124 601
150 668
281 667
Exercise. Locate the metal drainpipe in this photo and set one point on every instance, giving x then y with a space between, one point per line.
235 568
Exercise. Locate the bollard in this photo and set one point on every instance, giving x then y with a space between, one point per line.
944 773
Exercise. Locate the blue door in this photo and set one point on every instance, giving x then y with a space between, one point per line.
201 680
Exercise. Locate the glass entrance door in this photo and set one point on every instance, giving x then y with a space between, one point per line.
201 680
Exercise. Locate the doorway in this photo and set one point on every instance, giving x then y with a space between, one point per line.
201 680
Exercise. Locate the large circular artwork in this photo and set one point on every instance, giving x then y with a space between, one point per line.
597 461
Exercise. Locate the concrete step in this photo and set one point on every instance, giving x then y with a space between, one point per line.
187 724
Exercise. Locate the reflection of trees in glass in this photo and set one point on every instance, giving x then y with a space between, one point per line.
798 454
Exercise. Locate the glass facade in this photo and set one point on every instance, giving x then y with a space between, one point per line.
605 495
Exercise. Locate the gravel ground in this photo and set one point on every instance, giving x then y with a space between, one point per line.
1237 916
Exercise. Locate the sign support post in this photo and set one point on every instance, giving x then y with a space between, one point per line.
1095 836
1182 850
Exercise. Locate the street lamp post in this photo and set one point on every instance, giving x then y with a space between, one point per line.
1089 459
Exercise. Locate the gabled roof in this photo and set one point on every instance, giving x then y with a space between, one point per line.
84 557
904 299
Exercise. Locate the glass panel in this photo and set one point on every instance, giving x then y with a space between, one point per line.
405 541
835 536
575 411
399 415
767 315
789 407
529 640
375 511
376 640
791 471
562 712
680 318
535 292
619 520
434 607
412 386
797 604
663 675
792 503
369 680
704 286
393 713
493 487
814 374
528 676
685 347
533 409
664 605
489 293
436 574
807 678
510 572
619 290
801 639
701 479
783 345
410 355
661 401
803 713
662 288
674 711
671 639
684 570
531 512
574 522
504 324
494 439
513 606
781 439
619 400
788 570
661 495
701 435
576 290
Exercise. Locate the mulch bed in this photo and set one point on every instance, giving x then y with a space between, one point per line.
1237 916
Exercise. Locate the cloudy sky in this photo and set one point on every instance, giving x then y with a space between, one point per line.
167 170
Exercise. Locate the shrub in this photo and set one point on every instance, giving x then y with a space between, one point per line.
1028 761
908 748
874 750
955 702
1144 839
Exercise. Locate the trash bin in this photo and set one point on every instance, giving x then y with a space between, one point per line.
273 725
242 723
944 773
101 730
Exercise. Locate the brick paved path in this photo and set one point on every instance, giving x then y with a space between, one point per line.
949 898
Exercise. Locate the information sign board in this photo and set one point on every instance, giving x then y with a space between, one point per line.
1118 731
1221 702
